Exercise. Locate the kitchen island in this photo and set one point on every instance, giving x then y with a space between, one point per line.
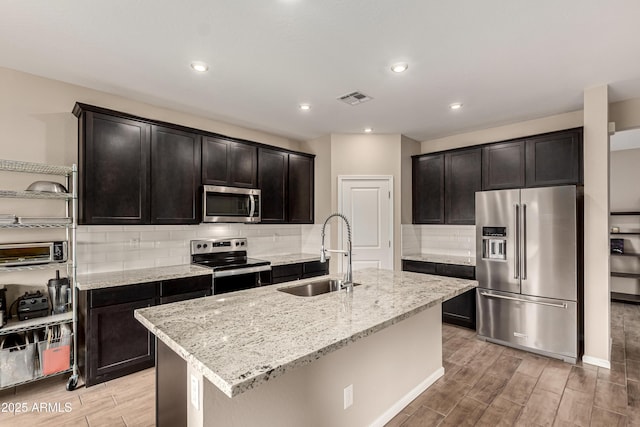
264 357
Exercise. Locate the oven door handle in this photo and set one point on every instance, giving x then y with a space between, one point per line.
239 271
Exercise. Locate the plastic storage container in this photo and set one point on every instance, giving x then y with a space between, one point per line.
17 359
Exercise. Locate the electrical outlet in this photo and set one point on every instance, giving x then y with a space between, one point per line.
348 396
195 392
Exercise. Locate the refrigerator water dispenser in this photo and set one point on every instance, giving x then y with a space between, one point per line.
494 243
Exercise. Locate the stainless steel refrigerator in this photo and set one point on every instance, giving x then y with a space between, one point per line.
529 267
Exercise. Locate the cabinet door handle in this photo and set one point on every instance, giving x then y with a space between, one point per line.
562 305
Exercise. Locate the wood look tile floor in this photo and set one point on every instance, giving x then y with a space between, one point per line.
484 385
128 401
489 385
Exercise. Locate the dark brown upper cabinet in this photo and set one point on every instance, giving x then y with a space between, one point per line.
227 162
555 159
175 176
114 165
503 165
272 181
428 189
134 170
544 160
463 177
286 182
300 186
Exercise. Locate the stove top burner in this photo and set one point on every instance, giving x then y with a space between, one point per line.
223 254
228 264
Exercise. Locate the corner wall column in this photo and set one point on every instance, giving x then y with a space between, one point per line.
596 227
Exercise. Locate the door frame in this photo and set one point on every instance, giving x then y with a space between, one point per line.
389 178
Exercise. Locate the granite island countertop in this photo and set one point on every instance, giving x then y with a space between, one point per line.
242 339
87 282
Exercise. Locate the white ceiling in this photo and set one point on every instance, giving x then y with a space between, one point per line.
505 60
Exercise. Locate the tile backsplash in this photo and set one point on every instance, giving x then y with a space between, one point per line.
117 248
454 240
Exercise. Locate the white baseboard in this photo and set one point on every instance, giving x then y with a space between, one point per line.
596 361
407 398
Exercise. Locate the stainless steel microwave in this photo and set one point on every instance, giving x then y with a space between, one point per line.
15 254
230 204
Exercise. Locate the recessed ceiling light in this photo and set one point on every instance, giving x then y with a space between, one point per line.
455 106
304 107
400 67
368 130
199 66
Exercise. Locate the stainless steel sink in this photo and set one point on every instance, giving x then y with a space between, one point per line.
315 288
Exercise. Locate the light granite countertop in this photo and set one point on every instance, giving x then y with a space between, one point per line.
442 259
144 275
87 282
242 339
290 258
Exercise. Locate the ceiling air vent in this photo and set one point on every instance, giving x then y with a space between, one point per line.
354 98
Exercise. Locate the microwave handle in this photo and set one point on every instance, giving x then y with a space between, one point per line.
252 206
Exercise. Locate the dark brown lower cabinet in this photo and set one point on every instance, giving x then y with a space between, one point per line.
296 271
111 341
121 344
460 310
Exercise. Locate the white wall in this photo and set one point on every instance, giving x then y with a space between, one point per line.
369 155
502 133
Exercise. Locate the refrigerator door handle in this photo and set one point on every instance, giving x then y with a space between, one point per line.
516 247
523 260
485 294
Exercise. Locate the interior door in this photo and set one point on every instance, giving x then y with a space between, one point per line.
549 235
495 214
368 204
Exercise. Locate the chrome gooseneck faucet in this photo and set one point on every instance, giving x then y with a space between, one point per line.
348 277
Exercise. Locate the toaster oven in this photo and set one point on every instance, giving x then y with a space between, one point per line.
16 254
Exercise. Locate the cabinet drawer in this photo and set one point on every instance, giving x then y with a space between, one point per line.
461 310
185 285
459 271
122 294
539 323
314 268
419 266
286 271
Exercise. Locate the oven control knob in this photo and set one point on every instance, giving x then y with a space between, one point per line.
199 246
204 246
243 243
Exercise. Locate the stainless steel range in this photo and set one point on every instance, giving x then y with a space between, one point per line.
232 269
